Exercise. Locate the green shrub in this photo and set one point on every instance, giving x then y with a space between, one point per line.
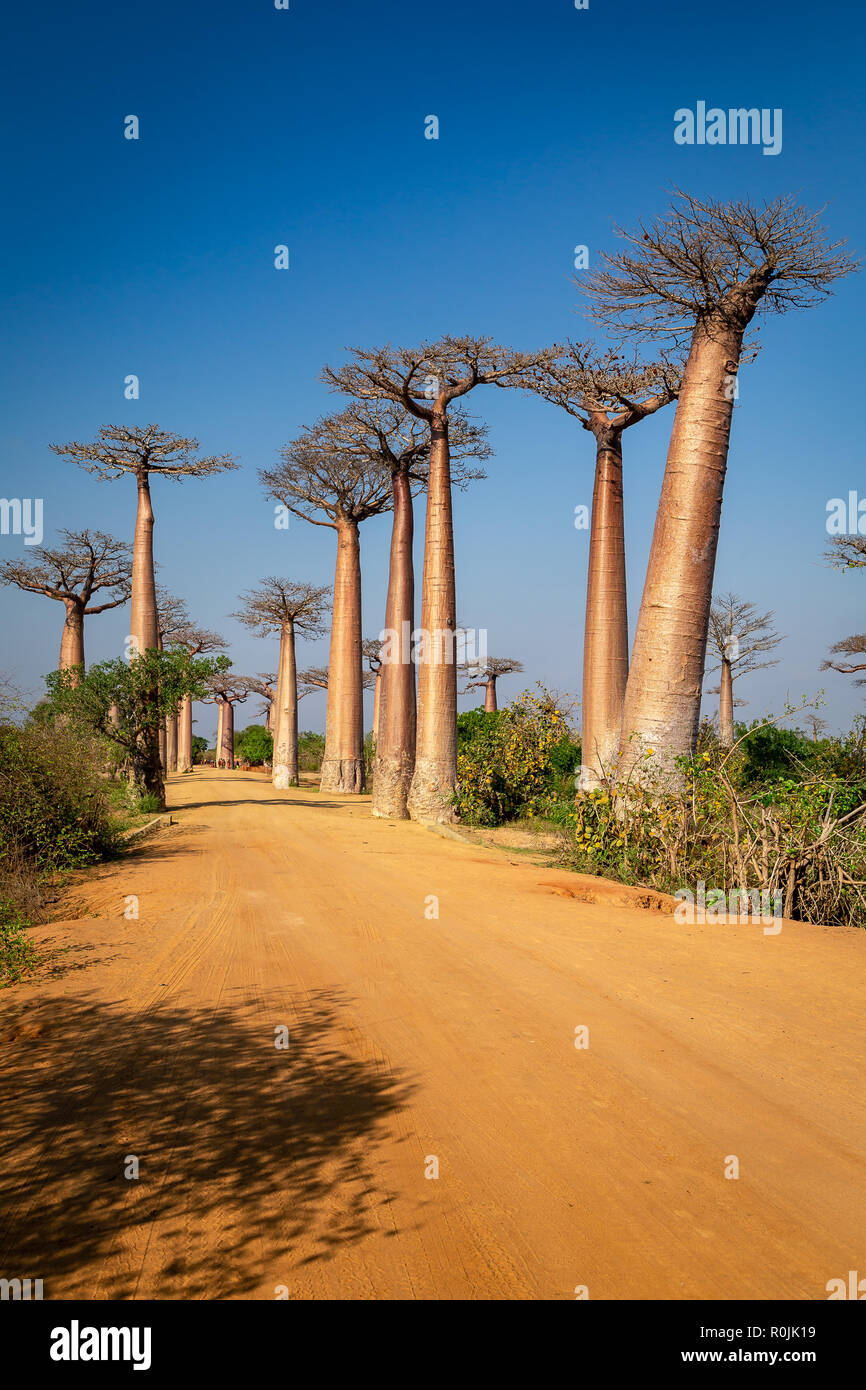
311 751
513 760
254 745
17 954
770 753
54 805
737 819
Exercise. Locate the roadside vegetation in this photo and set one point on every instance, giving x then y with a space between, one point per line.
778 811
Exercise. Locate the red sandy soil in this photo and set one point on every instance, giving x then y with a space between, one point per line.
411 1038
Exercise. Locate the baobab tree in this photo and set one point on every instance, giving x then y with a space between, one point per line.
196 641
738 636
329 484
485 673
371 651
608 393
736 703
426 381
849 646
286 607
89 563
316 678
848 553
816 724
227 691
172 619
391 437
267 687
143 452
700 272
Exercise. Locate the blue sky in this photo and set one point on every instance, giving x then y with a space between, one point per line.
306 127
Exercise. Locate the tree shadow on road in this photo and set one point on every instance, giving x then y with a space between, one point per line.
253 1161
259 801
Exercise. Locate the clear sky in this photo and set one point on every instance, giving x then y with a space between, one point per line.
305 126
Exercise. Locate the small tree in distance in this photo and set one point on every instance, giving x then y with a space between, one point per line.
484 675
739 635
327 481
816 724
286 607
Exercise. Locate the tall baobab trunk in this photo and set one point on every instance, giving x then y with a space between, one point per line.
72 639
184 735
435 775
171 743
285 710
663 693
219 736
377 696
605 640
490 705
395 726
227 734
163 734
343 763
726 705
144 623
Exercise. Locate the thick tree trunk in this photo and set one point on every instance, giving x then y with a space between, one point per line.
227 734
726 705
395 727
184 736
343 763
285 760
377 696
144 626
663 693
435 776
164 724
219 736
605 641
72 639
171 743
490 704
147 777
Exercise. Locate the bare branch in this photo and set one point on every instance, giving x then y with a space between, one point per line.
277 602
708 260
120 449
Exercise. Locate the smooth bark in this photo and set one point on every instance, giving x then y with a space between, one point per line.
394 727
72 638
285 757
184 735
377 696
144 622
726 705
219 736
343 762
227 733
490 704
435 776
171 743
662 701
605 642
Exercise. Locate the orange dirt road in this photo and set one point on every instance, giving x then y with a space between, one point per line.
416 1040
